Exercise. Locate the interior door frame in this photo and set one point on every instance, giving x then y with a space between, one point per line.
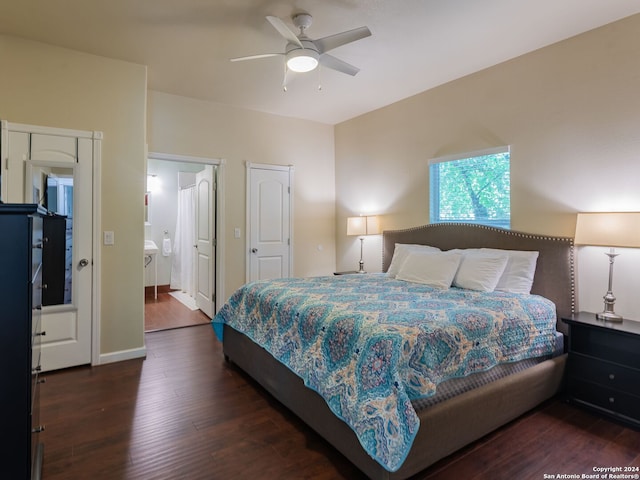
265 166
219 224
97 137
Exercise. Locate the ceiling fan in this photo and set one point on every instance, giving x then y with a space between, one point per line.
303 54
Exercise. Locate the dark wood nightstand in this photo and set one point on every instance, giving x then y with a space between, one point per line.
603 369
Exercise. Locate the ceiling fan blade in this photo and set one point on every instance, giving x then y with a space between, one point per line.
337 64
280 26
253 57
333 41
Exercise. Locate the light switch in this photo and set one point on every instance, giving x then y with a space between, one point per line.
109 238
236 232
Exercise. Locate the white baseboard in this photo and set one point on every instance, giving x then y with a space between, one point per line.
122 355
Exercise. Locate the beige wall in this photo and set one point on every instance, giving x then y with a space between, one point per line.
571 113
55 87
185 126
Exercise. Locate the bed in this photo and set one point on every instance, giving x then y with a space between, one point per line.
433 417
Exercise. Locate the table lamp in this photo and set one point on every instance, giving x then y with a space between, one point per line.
362 225
609 229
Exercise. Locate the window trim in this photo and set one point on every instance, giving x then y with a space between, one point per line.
475 153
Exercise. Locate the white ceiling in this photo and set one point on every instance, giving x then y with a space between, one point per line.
415 44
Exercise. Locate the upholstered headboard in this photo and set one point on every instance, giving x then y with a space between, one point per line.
555 273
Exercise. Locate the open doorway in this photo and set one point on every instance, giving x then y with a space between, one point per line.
182 224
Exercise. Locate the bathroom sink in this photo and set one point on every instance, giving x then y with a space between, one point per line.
150 247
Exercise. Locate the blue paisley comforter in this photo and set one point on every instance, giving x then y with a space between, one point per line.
369 344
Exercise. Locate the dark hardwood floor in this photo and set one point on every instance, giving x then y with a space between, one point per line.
166 312
183 413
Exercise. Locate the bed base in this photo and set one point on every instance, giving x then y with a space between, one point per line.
445 427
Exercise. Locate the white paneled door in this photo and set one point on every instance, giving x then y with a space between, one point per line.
269 225
205 240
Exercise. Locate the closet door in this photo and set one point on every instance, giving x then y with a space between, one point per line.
269 228
68 324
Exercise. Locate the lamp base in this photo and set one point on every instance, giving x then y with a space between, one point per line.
361 262
609 317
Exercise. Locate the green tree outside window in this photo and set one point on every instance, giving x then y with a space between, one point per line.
473 188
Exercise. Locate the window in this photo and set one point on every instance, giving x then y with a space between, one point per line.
473 188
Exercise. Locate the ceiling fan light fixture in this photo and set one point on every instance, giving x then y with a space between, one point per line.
303 54
302 60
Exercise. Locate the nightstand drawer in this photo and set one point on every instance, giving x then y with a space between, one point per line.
606 344
612 401
607 374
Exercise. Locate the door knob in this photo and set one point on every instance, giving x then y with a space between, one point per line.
83 263
254 250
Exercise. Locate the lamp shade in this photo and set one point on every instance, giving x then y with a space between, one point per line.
363 225
608 229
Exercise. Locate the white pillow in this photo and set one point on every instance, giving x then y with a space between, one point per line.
519 271
436 269
400 253
480 270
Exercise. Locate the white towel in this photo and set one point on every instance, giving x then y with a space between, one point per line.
166 247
